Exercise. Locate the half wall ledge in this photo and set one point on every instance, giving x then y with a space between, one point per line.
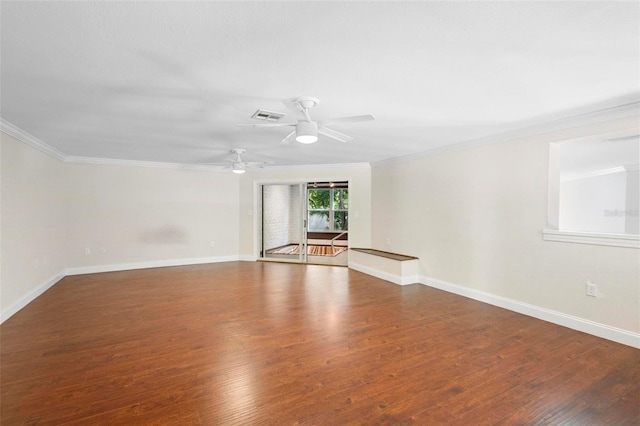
397 268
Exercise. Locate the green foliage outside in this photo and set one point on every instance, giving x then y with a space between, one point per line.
319 199
321 202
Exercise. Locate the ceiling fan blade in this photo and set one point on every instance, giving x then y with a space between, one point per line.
352 119
266 125
258 163
291 136
334 134
224 162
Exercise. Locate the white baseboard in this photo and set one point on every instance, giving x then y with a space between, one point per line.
148 264
590 327
247 258
396 279
30 297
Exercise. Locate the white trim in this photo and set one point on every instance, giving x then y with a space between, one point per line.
247 258
395 279
30 297
586 326
149 264
628 106
595 173
136 163
361 165
32 141
615 240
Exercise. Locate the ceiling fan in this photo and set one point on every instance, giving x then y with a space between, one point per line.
306 130
237 165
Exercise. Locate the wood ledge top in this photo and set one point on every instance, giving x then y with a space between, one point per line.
388 255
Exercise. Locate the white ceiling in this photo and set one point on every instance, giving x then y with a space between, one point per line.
170 81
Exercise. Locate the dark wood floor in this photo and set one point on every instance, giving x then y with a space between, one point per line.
279 344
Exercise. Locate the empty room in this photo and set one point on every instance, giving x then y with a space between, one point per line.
319 213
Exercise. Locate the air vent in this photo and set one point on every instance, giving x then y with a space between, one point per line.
265 115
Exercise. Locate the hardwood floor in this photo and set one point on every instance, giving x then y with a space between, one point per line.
277 344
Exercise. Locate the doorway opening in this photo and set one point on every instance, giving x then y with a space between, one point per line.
305 222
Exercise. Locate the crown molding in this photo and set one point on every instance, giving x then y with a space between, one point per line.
29 139
601 172
577 118
138 163
201 167
595 173
315 166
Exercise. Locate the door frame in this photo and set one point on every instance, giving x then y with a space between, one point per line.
256 212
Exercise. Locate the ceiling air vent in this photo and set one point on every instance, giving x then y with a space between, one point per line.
265 115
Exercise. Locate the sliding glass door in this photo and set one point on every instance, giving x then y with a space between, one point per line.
304 222
284 222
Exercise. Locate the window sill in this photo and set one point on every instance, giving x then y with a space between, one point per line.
615 240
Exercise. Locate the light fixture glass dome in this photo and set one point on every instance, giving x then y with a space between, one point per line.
238 168
306 132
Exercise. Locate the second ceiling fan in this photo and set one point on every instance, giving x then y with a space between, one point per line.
306 130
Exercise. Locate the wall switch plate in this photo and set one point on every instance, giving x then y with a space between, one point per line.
87 250
212 244
592 289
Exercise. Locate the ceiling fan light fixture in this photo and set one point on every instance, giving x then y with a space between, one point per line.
238 168
306 132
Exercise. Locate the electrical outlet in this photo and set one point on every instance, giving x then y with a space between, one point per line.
592 289
389 241
87 250
103 250
212 244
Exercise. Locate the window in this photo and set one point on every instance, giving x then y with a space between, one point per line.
328 207
594 190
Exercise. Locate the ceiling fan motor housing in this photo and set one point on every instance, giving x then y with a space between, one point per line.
306 131
238 167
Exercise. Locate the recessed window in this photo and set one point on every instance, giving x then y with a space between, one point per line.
594 190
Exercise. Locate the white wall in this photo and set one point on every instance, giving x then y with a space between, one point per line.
586 204
143 214
474 218
359 177
32 223
127 217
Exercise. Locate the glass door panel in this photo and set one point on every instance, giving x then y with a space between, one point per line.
283 231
